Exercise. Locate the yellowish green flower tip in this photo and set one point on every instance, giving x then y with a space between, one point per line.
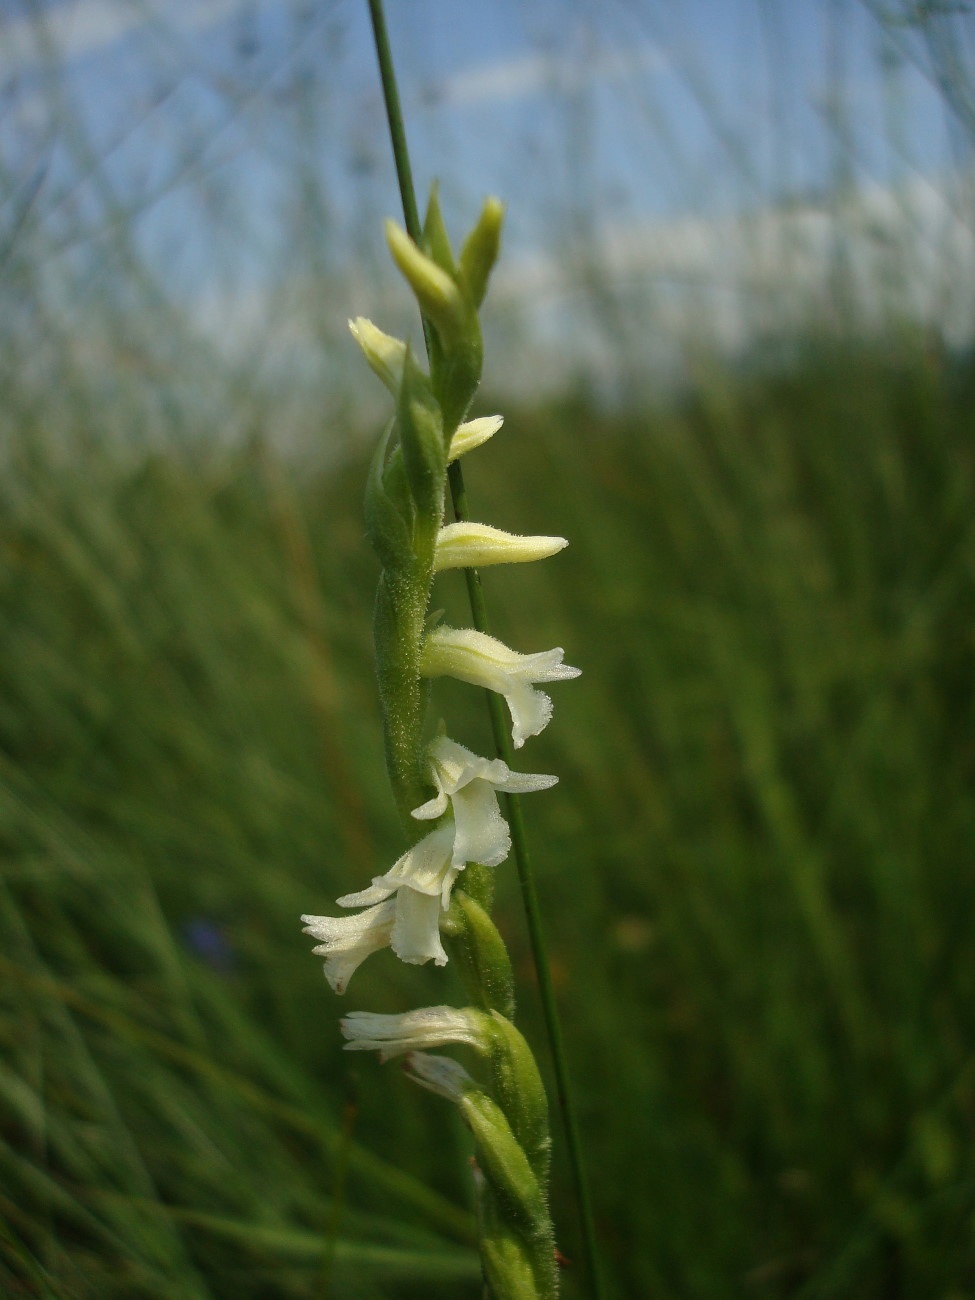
480 250
438 295
467 545
472 433
385 354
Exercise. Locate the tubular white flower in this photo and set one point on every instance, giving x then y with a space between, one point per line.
409 923
483 661
472 433
469 783
385 354
467 546
412 1031
425 868
439 1074
346 941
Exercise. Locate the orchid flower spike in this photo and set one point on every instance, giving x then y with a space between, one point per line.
469 785
481 660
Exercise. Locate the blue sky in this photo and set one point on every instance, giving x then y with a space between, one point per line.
231 139
616 106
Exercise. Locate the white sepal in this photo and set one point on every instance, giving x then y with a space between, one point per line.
346 941
423 867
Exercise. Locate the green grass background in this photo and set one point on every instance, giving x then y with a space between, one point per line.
756 871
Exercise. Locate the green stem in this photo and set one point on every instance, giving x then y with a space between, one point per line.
404 175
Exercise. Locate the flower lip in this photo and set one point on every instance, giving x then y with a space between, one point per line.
346 941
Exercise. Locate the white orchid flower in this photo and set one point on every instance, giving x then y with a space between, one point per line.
425 868
346 941
412 1031
467 545
469 784
409 923
472 433
483 661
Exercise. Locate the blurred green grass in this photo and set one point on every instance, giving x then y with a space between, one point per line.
756 871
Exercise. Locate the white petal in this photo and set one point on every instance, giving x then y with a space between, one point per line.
348 940
433 808
374 893
415 936
531 712
481 832
421 867
474 657
453 766
545 666
526 782
448 884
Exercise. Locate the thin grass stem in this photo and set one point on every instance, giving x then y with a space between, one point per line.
502 741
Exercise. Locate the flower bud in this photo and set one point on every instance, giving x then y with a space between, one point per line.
480 250
472 433
466 545
435 241
437 293
384 353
